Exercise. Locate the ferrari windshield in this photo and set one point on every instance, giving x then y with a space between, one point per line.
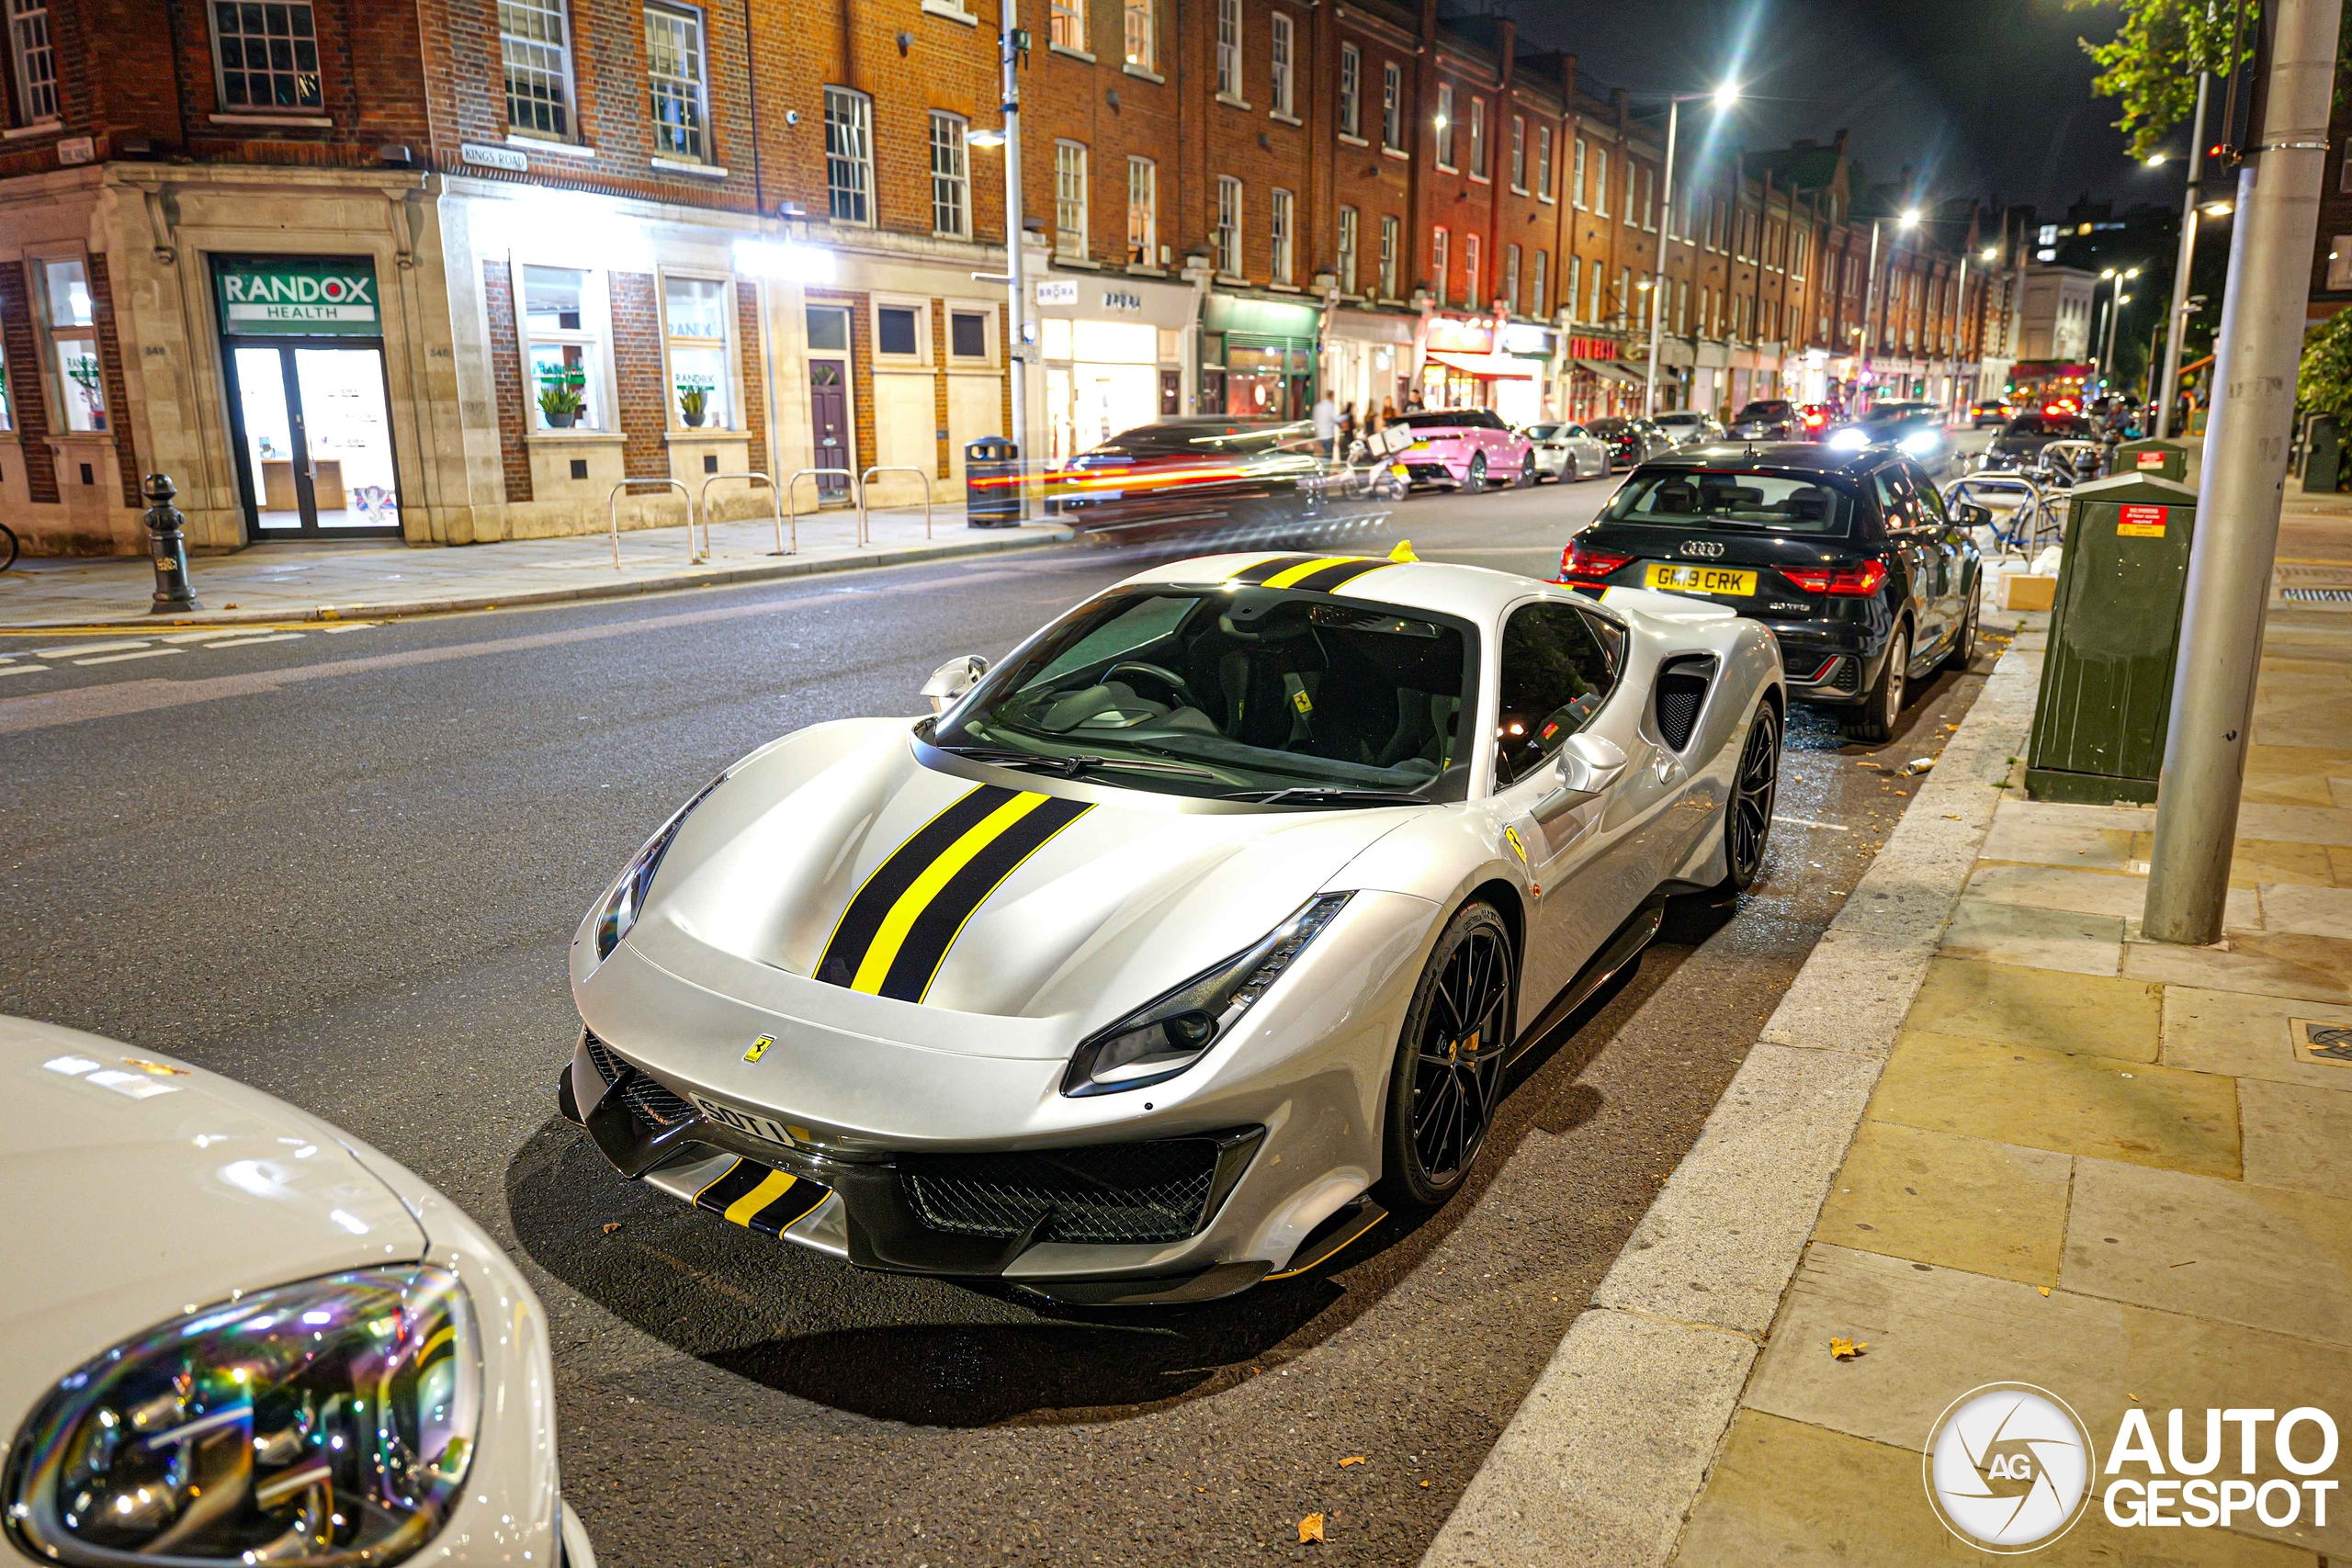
1684 498
1236 692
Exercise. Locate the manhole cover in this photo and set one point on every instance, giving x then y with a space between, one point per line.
2331 1042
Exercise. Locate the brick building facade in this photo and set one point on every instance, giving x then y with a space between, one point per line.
453 270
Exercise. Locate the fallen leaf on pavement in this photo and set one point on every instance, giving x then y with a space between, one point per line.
1846 1349
612 1226
1351 1458
1310 1528
2043 1289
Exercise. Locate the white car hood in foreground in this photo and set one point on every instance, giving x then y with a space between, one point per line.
1133 896
137 1189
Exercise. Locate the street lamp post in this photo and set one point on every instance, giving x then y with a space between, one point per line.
1016 353
2178 319
1909 220
1723 97
2115 279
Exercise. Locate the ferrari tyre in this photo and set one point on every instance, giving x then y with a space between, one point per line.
1748 815
1449 1071
1883 709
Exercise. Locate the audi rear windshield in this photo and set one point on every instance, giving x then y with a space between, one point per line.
1779 503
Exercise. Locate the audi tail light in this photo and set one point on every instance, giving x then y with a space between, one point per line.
1849 582
1582 563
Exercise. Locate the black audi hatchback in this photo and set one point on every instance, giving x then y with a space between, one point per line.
1849 557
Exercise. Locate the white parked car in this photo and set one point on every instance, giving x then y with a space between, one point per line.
1690 427
1567 452
230 1333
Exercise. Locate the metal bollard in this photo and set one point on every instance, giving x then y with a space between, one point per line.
172 590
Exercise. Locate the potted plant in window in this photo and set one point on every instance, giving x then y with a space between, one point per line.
559 395
694 399
84 372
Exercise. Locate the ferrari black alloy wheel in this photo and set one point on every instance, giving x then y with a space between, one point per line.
1450 1063
1748 818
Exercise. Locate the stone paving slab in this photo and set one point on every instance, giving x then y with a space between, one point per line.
306 580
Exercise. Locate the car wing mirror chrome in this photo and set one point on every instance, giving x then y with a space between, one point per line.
952 679
1589 764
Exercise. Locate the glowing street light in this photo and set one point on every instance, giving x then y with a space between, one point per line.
1910 218
2156 160
1726 94
1724 97
2216 209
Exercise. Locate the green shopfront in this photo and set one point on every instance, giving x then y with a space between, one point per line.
1258 356
302 349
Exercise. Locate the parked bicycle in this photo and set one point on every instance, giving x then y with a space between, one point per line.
8 547
2026 515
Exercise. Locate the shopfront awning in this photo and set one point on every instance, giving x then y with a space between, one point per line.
1495 367
1608 370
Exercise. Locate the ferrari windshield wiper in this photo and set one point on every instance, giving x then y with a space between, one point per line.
1326 794
1070 767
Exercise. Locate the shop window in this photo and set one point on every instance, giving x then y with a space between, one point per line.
1067 24
951 177
676 77
2339 262
1543 164
1069 199
1519 153
1392 107
1351 90
34 59
266 56
849 155
1347 250
897 331
1142 212
535 41
1438 259
967 335
695 317
1445 127
1228 225
1228 49
72 330
1390 234
1278 58
561 347
1143 34
1477 138
1278 236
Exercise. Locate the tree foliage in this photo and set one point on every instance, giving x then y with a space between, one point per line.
2150 67
2324 379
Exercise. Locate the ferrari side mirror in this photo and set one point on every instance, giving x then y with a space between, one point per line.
952 679
1590 763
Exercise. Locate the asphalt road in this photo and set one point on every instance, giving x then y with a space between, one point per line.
345 866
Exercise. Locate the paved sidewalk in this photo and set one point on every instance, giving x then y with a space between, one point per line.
2113 1168
361 580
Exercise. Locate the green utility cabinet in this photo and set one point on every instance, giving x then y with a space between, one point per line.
2152 459
2098 729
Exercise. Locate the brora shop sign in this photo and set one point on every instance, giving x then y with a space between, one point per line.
297 296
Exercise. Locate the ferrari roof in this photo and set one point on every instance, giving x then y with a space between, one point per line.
1475 593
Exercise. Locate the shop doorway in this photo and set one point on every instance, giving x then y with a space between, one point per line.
314 441
310 410
828 411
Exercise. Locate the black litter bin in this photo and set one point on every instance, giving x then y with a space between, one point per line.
2322 456
991 483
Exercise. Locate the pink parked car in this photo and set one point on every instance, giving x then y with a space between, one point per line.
1464 449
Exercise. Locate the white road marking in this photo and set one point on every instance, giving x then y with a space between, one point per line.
23 669
1807 822
62 649
118 658
249 641
347 626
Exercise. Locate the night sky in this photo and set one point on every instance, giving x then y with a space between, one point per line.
1981 97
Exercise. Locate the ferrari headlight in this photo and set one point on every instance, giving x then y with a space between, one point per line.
327 1422
1171 1033
626 899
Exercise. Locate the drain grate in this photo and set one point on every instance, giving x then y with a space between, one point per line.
2317 595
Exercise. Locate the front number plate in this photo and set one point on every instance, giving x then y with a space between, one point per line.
758 1127
1698 580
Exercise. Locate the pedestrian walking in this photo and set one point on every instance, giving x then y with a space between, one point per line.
1348 430
1327 425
